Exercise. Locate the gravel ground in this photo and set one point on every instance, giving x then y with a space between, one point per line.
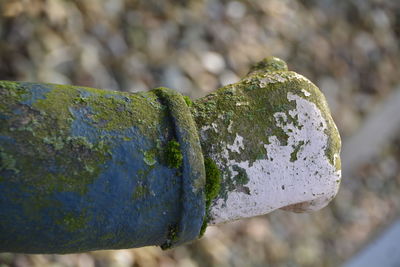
350 49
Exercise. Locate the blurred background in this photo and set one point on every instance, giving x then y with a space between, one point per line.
349 49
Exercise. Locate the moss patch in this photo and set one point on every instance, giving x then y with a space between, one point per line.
269 64
7 162
150 157
213 180
212 188
172 237
72 222
186 131
42 140
173 155
188 101
140 192
39 150
251 104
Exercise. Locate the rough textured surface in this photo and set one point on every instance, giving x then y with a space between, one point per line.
192 202
212 188
85 169
290 158
273 138
349 49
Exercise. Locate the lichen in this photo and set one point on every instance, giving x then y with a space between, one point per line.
221 109
173 155
247 109
41 134
118 112
72 135
219 106
241 178
37 126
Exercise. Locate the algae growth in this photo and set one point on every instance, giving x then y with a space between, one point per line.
212 188
172 237
41 149
247 109
173 155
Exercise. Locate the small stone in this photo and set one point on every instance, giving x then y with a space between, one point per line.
213 62
236 10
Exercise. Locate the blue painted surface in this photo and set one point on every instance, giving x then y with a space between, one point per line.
113 216
193 210
36 92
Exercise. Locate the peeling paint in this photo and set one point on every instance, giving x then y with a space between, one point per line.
283 137
237 144
297 174
268 142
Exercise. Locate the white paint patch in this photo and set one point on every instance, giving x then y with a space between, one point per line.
230 126
306 93
204 129
296 76
307 183
237 144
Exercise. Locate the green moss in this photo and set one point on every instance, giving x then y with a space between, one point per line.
57 106
115 111
212 188
235 110
173 155
51 159
185 128
188 101
72 222
269 64
213 180
7 162
42 130
56 141
251 104
140 192
204 226
149 157
12 86
172 237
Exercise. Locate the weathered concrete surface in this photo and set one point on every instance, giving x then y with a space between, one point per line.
273 138
84 169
